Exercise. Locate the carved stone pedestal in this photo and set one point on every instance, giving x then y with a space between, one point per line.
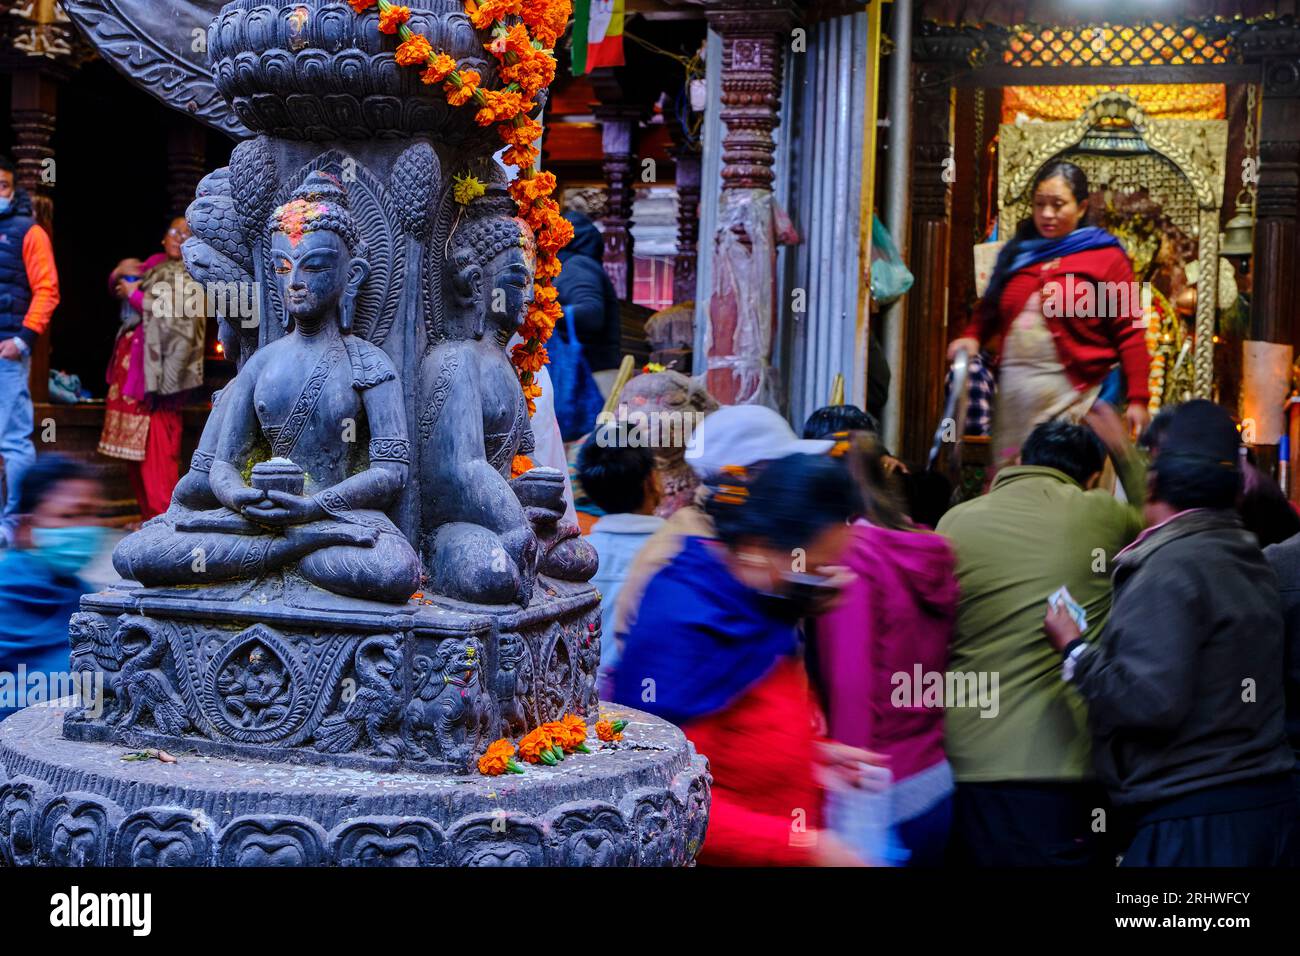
284 674
68 803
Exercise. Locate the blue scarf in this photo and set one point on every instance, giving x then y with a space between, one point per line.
702 636
1019 253
36 607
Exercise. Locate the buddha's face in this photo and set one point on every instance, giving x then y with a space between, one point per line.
508 287
312 274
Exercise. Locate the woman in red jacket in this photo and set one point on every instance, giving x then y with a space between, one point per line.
715 650
1061 310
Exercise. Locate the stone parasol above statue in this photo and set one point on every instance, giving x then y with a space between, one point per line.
352 578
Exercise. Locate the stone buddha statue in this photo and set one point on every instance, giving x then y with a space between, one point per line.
477 542
309 445
485 535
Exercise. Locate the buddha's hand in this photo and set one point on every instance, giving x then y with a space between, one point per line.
283 508
244 497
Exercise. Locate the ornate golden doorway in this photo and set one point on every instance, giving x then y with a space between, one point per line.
1178 164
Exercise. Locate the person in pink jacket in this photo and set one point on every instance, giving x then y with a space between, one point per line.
891 626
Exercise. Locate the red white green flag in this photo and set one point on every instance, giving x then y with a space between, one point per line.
597 34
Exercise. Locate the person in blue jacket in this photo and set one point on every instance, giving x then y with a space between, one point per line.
57 534
588 297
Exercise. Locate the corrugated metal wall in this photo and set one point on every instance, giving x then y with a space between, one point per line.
824 120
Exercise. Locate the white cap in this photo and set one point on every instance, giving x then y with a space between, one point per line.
744 435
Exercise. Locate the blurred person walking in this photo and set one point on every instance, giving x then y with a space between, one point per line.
894 618
57 534
29 293
733 437
623 483
1185 688
1025 788
714 650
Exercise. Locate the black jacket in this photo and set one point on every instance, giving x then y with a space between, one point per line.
1285 559
1184 688
588 296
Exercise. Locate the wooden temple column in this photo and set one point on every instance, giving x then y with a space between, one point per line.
687 162
1275 293
742 306
187 160
33 105
926 332
618 127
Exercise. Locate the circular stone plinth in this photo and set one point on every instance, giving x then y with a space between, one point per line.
642 802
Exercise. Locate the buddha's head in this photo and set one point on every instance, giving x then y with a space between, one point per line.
492 261
314 251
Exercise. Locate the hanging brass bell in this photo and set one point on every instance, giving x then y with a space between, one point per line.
1237 238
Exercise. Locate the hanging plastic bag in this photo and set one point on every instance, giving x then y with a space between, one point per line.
890 278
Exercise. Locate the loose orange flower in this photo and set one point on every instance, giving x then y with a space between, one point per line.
536 746
414 51
575 733
459 95
393 17
610 731
440 67
361 6
519 465
498 759
545 293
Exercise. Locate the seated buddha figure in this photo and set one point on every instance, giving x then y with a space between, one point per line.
311 445
476 539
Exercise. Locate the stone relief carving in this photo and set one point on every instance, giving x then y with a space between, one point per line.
370 708
271 841
163 836
514 684
450 713
388 842
77 828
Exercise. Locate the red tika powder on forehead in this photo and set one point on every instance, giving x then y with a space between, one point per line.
293 218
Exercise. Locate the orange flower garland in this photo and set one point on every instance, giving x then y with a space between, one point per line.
527 65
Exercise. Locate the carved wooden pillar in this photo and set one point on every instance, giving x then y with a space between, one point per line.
742 313
1275 294
34 105
186 162
688 222
618 125
925 324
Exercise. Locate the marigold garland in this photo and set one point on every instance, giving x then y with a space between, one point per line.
526 63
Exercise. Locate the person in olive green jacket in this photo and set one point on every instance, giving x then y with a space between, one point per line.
1026 794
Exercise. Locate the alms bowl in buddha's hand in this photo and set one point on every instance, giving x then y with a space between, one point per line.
278 474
